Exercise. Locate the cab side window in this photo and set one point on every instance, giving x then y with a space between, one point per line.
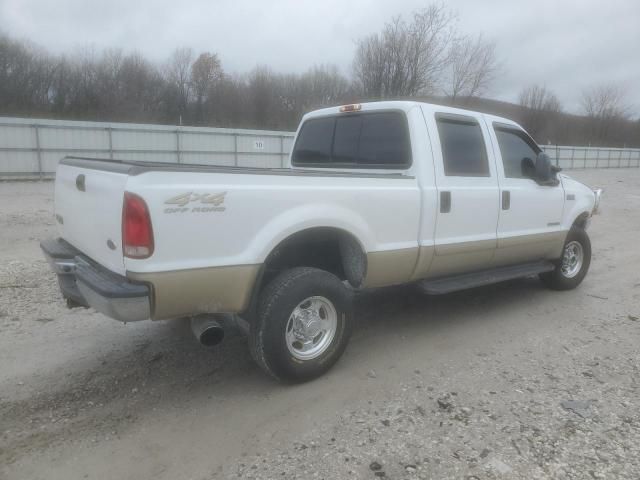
463 149
515 145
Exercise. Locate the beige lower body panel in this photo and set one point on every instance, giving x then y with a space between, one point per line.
523 248
228 289
203 290
425 258
392 267
451 259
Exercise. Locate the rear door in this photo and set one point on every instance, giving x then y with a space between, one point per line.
529 226
468 199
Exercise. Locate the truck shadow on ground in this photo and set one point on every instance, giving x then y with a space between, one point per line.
406 306
170 368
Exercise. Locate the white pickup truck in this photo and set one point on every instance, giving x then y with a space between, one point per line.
375 194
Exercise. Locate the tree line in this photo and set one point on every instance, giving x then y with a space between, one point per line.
421 57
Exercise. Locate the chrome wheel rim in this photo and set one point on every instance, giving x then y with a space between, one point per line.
572 259
311 328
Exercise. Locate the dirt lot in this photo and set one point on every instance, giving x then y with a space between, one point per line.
509 381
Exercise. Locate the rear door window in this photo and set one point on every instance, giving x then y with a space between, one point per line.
363 140
463 149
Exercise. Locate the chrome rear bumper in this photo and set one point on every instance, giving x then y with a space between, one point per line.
85 283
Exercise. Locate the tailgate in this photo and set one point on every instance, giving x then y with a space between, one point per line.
88 206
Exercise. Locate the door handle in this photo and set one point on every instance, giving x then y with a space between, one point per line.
445 202
506 199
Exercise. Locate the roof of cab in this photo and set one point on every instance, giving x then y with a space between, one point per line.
406 106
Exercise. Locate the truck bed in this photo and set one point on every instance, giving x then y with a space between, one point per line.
257 209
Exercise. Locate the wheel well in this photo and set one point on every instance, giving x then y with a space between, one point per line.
329 249
581 221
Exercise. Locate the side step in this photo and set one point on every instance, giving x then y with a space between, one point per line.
441 286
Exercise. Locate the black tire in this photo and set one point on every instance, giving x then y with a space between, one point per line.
267 336
557 280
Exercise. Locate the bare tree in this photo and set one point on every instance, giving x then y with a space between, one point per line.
605 106
405 59
60 91
421 55
540 111
85 99
228 104
179 78
539 98
473 66
606 101
264 95
324 85
26 75
141 88
108 72
206 73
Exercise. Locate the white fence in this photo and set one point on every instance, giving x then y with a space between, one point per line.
33 148
592 157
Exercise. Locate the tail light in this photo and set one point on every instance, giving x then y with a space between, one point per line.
137 233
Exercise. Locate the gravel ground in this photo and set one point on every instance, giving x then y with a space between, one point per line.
507 381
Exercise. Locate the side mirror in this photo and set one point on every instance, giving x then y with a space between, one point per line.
543 168
541 171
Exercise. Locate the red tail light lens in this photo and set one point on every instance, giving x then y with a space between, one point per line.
137 233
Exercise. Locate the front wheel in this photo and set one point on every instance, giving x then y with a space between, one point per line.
303 324
573 266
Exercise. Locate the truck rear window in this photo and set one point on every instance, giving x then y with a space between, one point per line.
361 140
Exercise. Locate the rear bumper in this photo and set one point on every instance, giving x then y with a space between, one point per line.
86 283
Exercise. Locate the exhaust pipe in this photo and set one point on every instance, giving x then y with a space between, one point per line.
207 330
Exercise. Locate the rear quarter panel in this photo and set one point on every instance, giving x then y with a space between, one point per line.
261 210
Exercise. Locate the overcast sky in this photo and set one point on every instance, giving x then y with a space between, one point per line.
567 44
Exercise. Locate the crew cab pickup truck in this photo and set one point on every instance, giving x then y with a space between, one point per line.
374 195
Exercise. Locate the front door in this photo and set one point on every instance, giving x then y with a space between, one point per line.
529 226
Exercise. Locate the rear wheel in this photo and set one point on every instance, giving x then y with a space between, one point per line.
573 266
303 324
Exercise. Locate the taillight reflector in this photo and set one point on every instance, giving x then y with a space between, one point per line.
137 233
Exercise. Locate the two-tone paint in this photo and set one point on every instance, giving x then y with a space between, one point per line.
207 256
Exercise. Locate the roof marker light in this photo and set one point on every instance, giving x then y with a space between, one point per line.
355 107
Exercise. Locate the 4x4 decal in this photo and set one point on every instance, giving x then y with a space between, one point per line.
211 202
